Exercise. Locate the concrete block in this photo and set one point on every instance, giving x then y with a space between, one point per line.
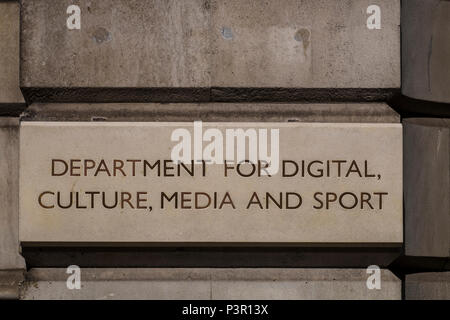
227 284
428 286
9 195
426 50
9 54
427 187
197 50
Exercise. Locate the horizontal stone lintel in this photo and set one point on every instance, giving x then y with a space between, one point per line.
216 112
246 274
186 283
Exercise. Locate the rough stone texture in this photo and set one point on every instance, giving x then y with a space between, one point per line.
9 54
10 282
428 286
128 43
214 112
224 284
427 187
350 221
312 44
426 50
11 263
120 44
9 190
206 44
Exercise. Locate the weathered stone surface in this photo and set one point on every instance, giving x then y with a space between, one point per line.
312 44
9 53
120 44
428 286
363 216
11 263
206 44
427 187
9 190
10 282
227 284
426 50
214 112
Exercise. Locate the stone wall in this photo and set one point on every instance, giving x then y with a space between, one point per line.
316 62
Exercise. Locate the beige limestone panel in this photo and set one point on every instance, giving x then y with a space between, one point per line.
378 219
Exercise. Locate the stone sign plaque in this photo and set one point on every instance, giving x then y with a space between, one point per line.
118 182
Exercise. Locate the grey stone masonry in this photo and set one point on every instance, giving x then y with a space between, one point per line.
215 284
427 187
426 50
199 49
428 286
10 95
214 112
11 262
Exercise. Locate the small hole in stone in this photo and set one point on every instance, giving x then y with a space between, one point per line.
95 118
227 33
